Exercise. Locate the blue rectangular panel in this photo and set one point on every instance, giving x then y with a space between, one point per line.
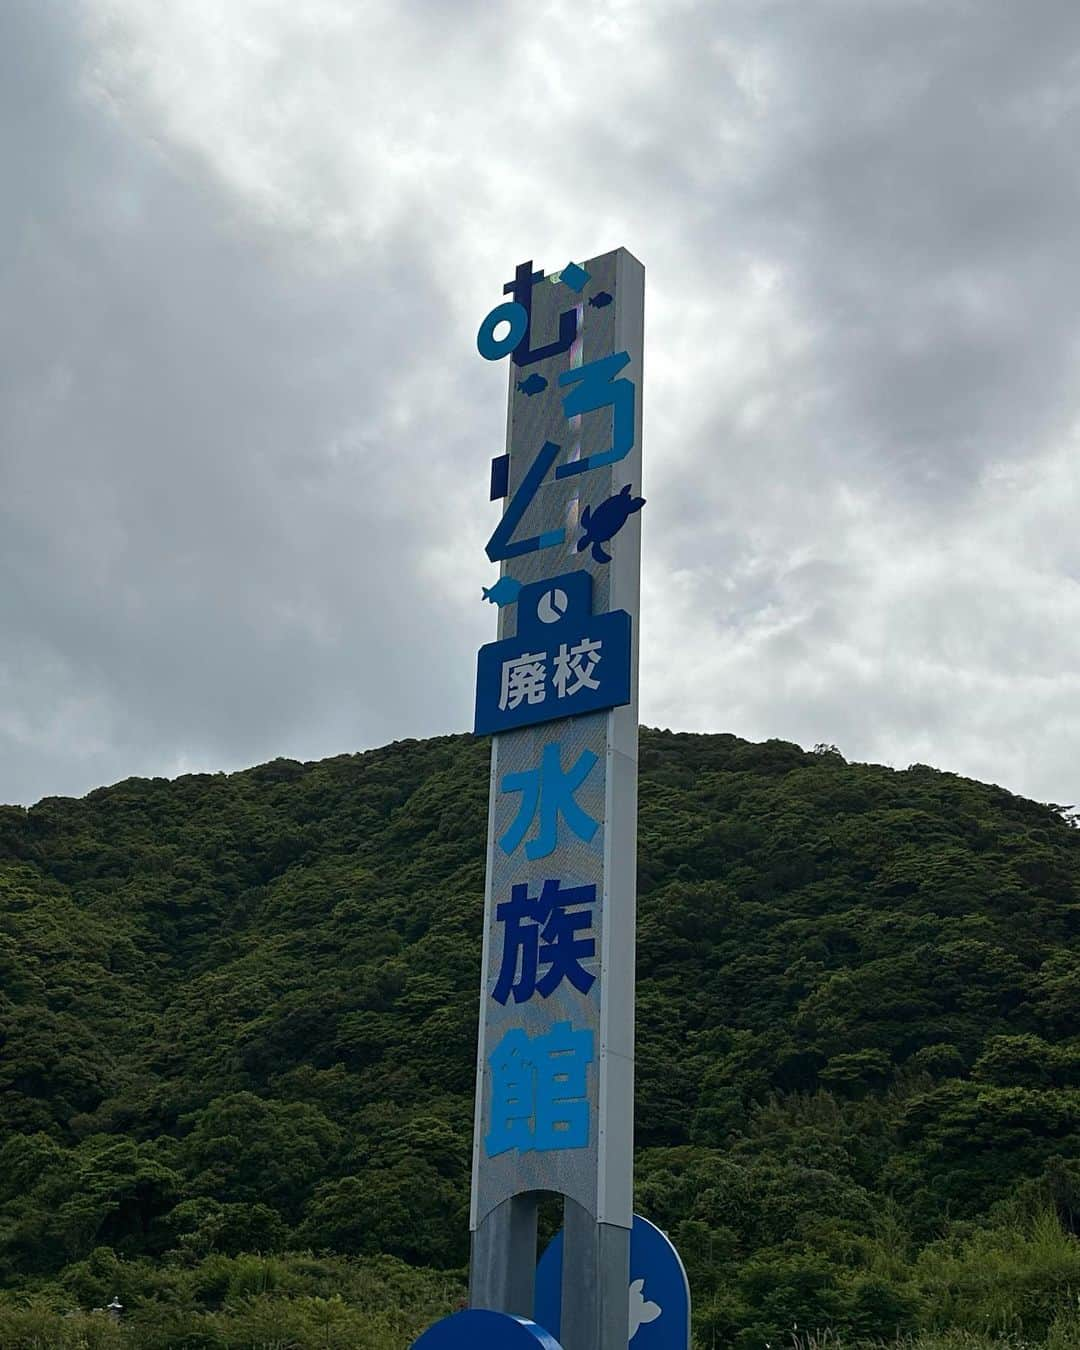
573 668
500 477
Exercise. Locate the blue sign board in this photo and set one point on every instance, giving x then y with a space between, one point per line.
479 1329
563 661
659 1294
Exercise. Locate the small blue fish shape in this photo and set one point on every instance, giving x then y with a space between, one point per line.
600 299
535 384
504 592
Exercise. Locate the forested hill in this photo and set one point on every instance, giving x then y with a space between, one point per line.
238 1014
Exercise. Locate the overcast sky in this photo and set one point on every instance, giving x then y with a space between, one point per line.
245 433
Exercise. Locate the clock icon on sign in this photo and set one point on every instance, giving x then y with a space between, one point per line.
552 606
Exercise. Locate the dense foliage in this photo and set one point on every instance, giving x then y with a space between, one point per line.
237 1029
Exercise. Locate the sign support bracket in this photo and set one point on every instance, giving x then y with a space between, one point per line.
502 1272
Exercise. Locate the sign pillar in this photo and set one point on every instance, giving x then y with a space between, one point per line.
558 692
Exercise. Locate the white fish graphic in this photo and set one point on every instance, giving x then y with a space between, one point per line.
641 1309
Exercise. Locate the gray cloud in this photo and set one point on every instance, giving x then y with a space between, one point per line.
206 531
243 431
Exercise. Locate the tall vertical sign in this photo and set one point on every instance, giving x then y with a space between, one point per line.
558 693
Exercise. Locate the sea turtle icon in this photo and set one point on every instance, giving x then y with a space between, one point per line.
606 522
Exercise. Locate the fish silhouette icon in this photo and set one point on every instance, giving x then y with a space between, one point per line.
504 592
642 1310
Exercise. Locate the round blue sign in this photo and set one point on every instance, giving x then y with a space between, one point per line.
659 1294
481 1330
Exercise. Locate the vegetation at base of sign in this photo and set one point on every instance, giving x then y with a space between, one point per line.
222 1303
237 1022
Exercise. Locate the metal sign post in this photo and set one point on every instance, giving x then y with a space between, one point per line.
558 692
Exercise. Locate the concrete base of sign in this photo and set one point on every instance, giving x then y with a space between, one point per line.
502 1271
596 1274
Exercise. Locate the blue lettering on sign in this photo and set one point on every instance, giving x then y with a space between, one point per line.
549 791
594 386
499 546
598 388
492 348
591 387
539 1090
521 288
540 932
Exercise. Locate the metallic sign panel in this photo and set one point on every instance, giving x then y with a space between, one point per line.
555 1058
